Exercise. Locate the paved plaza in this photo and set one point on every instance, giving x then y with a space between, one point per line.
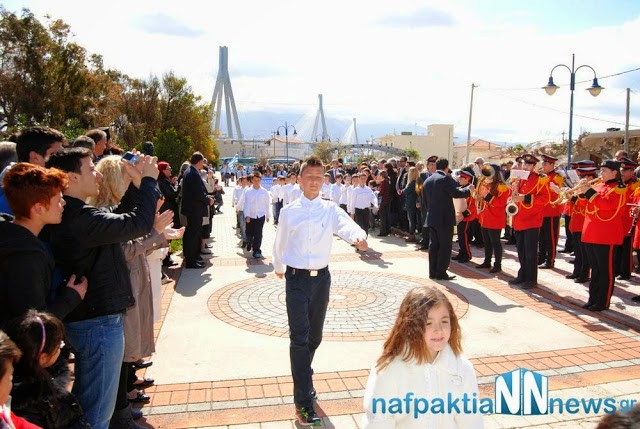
222 358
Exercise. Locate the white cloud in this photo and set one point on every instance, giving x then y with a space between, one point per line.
282 54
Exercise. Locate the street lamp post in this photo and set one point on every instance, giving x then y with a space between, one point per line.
594 90
286 127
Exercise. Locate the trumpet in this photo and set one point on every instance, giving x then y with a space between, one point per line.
567 194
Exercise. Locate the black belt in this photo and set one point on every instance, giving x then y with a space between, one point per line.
310 273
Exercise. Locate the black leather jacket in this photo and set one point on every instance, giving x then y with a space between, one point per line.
87 243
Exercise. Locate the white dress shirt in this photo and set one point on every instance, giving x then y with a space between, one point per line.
325 191
275 193
305 233
336 191
256 203
447 374
295 193
237 193
363 198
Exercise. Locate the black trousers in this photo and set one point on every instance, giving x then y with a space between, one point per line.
602 278
463 239
548 244
492 245
623 258
476 232
307 300
254 233
568 243
362 219
581 266
191 238
527 246
385 218
440 250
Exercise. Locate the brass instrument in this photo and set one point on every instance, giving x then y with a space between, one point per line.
487 172
634 215
567 194
511 207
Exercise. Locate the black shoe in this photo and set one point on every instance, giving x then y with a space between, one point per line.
456 258
313 393
545 266
566 250
464 260
170 263
571 261
485 264
445 277
512 241
196 265
140 398
528 284
496 269
581 280
571 276
516 281
621 277
422 248
595 307
636 298
139 364
146 382
307 417
248 247
587 305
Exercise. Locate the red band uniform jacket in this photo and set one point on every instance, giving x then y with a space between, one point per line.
493 214
603 215
536 196
553 210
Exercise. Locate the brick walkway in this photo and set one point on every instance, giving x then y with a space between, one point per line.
243 297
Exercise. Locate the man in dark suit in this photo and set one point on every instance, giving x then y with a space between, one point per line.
441 219
335 169
424 175
194 206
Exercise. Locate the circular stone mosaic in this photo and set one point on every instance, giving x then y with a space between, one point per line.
362 306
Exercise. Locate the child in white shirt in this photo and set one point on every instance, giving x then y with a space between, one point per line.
422 356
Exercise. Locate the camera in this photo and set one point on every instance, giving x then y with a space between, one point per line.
130 157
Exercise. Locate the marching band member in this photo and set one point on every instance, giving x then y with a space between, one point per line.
465 178
531 197
623 255
550 231
493 196
602 230
577 205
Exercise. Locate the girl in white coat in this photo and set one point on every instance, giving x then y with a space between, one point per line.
421 371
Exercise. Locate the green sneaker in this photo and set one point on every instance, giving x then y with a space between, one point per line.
308 417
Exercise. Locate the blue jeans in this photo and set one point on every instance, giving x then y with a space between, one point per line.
307 301
98 345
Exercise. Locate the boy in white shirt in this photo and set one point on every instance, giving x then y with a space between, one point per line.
301 254
325 191
362 198
336 189
237 196
256 205
275 192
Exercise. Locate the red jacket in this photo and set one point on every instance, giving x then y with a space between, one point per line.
536 196
471 213
553 210
603 214
493 214
632 185
578 206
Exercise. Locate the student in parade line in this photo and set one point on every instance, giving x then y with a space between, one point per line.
39 391
422 355
301 254
256 205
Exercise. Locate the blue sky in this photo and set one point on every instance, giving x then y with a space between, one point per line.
404 62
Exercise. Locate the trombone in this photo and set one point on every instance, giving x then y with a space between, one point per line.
567 194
